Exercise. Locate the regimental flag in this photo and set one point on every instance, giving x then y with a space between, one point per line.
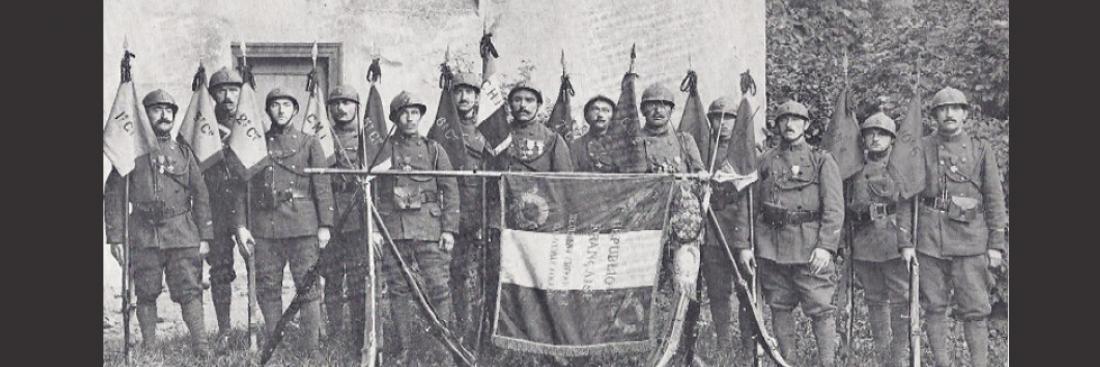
127 134
247 128
316 121
561 116
740 162
446 130
492 116
579 263
907 159
842 138
199 127
694 121
374 131
627 115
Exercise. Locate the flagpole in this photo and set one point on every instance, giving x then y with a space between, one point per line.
368 352
126 298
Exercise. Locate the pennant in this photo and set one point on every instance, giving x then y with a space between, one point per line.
127 134
447 129
841 138
316 121
907 159
561 116
374 131
740 163
694 121
627 115
199 127
492 115
247 128
579 264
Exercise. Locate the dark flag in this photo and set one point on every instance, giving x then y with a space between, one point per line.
842 138
374 131
446 129
561 117
579 264
626 110
492 115
694 121
907 160
740 162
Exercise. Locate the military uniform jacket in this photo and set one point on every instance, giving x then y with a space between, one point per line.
795 179
171 206
666 151
724 200
972 218
535 148
285 201
224 187
418 207
345 186
871 191
605 153
477 156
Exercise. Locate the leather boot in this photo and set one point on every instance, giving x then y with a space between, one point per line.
193 317
222 295
879 317
147 321
311 325
783 323
748 341
977 340
720 312
825 334
936 324
357 312
899 343
405 323
272 311
335 310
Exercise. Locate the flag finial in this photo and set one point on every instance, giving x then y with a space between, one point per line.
563 72
313 53
125 43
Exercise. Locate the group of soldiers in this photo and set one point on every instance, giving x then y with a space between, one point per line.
182 215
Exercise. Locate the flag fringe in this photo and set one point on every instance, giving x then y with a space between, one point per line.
640 346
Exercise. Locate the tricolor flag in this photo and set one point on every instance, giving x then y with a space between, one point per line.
492 116
579 263
907 159
694 121
199 127
842 137
127 134
247 127
740 163
446 130
374 131
316 121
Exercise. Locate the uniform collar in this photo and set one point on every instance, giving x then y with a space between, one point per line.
402 139
961 137
345 129
795 147
657 131
878 158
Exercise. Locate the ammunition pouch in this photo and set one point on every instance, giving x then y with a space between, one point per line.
157 212
777 217
962 209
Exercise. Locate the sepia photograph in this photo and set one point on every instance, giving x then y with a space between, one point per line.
555 183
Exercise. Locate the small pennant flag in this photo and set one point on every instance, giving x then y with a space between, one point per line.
446 129
199 128
492 116
626 110
246 137
694 121
374 131
842 138
127 134
740 163
316 121
907 159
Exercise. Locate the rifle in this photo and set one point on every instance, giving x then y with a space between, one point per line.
914 298
250 264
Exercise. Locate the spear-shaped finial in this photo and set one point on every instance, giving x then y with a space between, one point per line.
313 53
563 69
447 54
633 56
689 63
244 53
125 43
126 56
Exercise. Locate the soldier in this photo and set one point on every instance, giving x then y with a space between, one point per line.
225 187
291 214
534 148
599 150
661 149
799 210
421 214
346 256
961 231
716 267
465 278
881 252
170 227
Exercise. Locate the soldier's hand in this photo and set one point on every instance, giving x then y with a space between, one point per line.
996 258
116 252
204 248
909 254
447 241
820 259
245 242
749 260
323 236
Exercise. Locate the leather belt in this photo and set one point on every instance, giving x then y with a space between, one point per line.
782 217
875 210
935 203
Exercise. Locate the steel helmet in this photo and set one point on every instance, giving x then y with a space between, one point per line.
599 97
472 80
723 105
657 93
159 96
406 99
343 93
948 96
526 85
224 76
792 107
880 121
277 93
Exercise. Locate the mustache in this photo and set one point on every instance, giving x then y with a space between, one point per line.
164 121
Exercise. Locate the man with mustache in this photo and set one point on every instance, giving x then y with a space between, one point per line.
961 232
345 259
598 150
465 259
170 227
291 215
799 208
661 148
881 253
421 214
224 187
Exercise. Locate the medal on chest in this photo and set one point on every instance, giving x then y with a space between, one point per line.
529 148
796 169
